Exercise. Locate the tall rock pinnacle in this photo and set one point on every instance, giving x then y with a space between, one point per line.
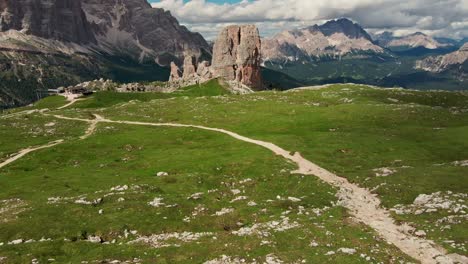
236 55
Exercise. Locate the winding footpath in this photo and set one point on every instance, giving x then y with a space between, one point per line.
361 203
24 152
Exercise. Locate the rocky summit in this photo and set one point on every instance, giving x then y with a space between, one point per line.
334 38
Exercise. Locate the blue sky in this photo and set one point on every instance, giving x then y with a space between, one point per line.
444 18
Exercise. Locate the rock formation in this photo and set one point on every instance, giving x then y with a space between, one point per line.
236 59
62 20
175 73
190 68
236 55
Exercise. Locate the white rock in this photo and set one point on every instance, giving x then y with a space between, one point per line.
16 242
236 191
348 251
251 203
157 202
224 211
420 233
162 174
120 188
95 239
294 199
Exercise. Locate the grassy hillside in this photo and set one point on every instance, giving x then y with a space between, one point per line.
230 197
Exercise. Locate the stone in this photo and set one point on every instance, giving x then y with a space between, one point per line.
236 56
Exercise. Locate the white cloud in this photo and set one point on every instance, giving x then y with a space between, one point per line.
438 17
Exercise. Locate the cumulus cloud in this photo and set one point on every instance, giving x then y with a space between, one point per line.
447 18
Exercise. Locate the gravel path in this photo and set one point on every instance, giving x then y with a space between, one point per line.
24 152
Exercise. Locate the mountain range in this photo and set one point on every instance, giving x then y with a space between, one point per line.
46 44
332 39
418 39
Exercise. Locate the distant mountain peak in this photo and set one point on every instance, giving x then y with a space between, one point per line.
333 39
414 40
346 26
418 34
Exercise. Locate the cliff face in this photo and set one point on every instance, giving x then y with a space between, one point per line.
62 20
134 27
236 55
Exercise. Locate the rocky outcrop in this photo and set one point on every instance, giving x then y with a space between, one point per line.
441 63
62 20
236 55
332 39
236 59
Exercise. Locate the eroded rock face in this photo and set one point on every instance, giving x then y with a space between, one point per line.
236 55
204 70
135 28
62 20
175 73
190 68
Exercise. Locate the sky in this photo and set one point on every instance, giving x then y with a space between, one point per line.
440 18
